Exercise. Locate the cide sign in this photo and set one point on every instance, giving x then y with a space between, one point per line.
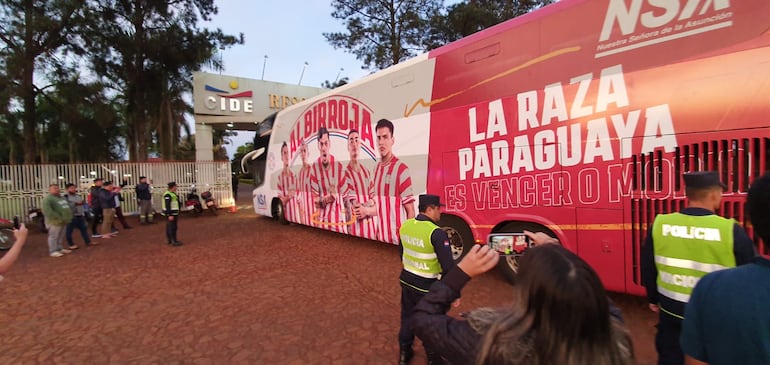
233 102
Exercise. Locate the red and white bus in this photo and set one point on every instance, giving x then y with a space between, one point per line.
578 119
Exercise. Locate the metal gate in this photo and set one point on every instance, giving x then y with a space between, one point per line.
25 186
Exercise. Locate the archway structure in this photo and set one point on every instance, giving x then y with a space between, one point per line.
237 103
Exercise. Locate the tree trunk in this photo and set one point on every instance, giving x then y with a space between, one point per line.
140 105
28 87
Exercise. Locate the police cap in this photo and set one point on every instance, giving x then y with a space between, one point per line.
702 179
171 184
427 200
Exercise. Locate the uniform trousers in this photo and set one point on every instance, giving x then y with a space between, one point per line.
409 299
667 340
171 228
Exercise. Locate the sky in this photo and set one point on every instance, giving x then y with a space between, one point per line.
290 33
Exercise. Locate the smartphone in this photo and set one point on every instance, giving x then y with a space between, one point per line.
509 243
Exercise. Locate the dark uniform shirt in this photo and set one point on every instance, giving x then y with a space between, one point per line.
440 242
143 191
743 248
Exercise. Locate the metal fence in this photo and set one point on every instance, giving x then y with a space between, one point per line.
25 186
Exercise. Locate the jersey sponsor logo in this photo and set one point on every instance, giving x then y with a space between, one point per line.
699 233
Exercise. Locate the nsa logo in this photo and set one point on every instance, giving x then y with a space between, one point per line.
261 201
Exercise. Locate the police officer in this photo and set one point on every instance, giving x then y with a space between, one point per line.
683 247
425 255
171 211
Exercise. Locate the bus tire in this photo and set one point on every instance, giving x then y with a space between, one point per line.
460 235
278 212
509 265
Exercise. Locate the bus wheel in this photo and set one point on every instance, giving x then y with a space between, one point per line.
460 235
278 212
509 265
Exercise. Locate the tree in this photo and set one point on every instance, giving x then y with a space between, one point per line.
32 33
146 50
465 18
382 33
333 85
78 122
241 151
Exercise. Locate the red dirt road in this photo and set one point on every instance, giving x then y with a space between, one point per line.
241 290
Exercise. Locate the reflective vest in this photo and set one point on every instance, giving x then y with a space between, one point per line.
174 208
419 257
688 247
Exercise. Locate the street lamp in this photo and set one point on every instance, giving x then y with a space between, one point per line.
303 73
221 59
263 67
338 75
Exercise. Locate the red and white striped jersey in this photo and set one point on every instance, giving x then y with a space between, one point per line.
287 185
304 196
392 189
328 181
355 186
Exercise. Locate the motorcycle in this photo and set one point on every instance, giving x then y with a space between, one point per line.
36 217
6 232
192 203
208 199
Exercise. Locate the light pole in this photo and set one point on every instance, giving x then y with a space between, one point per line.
221 59
338 75
263 67
303 73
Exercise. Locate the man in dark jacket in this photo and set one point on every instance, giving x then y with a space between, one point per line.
96 208
118 206
426 255
107 202
78 217
235 186
144 195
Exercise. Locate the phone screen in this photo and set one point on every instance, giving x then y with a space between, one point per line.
509 243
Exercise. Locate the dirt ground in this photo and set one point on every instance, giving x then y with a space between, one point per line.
242 289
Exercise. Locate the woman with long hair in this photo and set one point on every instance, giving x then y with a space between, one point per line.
560 314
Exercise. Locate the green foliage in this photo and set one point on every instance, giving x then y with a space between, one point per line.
34 35
141 54
78 123
382 33
333 85
465 18
147 50
241 151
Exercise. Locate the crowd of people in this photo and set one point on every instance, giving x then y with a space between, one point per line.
102 207
703 276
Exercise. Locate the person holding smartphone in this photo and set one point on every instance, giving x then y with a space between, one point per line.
20 234
560 313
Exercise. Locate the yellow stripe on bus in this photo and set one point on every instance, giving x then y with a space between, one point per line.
576 227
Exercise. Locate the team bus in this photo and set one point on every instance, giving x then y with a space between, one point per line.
577 120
